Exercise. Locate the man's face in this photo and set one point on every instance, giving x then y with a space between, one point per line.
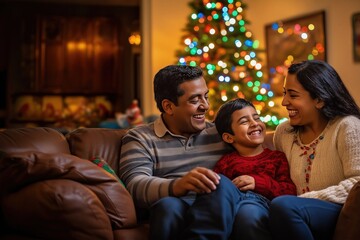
188 116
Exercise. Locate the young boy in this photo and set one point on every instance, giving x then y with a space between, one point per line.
259 173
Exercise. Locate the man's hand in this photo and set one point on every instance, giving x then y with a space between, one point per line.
199 180
244 182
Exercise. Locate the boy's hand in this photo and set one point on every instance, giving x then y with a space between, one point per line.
244 182
199 180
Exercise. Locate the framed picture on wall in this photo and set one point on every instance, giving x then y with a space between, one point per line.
293 40
356 36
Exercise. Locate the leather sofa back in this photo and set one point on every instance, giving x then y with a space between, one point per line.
32 139
93 142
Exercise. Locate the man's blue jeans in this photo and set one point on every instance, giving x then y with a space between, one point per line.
206 216
300 218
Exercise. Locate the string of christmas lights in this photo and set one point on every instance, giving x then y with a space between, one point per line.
303 35
218 41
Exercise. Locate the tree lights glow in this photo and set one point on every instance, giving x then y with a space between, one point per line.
217 40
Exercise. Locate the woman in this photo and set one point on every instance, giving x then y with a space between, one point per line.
321 141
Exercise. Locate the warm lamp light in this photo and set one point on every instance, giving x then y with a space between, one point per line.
135 38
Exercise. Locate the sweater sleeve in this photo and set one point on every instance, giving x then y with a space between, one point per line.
136 171
348 147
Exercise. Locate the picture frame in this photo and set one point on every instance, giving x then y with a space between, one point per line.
293 40
356 36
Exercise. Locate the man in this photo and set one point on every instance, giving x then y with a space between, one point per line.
166 165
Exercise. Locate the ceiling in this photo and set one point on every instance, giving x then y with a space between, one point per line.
87 2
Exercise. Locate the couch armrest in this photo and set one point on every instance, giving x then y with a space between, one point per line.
56 209
347 227
46 140
29 168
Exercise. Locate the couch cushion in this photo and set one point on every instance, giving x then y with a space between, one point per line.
98 161
89 142
29 167
56 209
347 227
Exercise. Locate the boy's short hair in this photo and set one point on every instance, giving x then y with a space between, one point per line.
223 119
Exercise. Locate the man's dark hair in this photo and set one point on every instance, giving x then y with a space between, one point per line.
168 79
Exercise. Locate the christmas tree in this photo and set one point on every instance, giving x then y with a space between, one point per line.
217 40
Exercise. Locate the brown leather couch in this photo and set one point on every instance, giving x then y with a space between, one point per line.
50 190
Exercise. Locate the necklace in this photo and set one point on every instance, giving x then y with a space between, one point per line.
308 153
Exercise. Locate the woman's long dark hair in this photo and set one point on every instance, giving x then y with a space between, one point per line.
324 83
